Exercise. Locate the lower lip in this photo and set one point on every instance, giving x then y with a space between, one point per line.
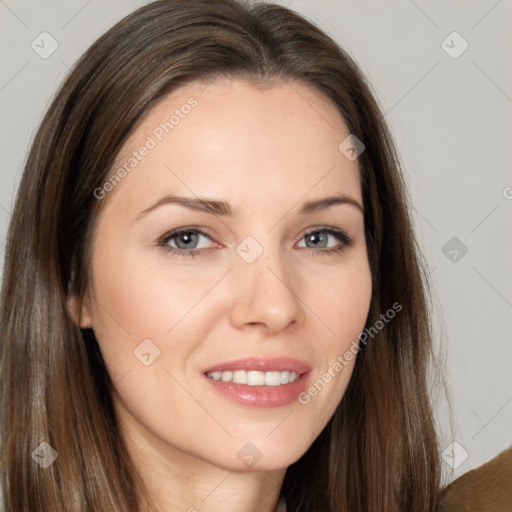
261 396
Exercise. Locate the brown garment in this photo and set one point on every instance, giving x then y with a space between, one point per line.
487 488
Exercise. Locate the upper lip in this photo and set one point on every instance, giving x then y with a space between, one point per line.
262 364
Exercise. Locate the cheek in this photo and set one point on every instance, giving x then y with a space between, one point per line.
342 302
343 309
142 297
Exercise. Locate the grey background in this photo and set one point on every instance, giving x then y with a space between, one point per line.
451 119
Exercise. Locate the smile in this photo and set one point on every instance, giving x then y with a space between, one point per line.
255 378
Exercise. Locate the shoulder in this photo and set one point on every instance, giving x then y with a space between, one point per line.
486 488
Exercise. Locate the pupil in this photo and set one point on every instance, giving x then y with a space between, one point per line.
187 238
316 237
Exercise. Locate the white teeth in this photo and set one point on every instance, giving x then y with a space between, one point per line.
255 378
239 377
227 376
272 378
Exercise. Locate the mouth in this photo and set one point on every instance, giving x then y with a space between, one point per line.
260 382
255 378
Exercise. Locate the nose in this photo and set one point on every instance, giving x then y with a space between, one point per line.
265 294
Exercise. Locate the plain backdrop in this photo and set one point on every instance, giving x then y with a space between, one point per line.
441 71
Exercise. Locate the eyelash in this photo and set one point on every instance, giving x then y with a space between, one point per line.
347 241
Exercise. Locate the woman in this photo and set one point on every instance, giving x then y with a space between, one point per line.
252 370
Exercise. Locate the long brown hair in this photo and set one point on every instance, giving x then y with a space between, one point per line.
380 449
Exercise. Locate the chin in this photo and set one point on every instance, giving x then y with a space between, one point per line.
268 455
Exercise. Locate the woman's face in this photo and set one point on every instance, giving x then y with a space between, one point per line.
264 295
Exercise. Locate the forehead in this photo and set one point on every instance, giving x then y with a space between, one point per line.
234 140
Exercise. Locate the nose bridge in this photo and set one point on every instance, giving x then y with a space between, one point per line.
263 292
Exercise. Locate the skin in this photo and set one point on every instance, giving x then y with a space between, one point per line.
266 152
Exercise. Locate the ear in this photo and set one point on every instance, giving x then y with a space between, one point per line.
83 317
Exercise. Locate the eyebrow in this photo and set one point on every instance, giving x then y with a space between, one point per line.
223 208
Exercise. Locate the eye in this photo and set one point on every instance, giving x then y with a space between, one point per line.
320 237
186 240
